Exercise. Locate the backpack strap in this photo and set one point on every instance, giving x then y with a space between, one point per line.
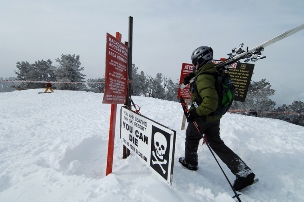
209 73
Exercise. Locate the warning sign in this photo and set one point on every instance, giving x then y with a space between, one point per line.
116 71
185 92
241 77
152 142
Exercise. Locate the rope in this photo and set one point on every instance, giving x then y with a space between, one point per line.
29 81
136 107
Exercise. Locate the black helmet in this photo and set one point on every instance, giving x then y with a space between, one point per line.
201 55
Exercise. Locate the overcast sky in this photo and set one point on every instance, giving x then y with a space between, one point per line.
164 34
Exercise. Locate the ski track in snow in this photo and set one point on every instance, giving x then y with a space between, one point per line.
54 147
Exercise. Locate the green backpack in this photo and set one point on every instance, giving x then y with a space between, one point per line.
225 90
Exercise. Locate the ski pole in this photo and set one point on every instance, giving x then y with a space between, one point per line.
186 112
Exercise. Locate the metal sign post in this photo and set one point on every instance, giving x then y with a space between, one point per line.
126 151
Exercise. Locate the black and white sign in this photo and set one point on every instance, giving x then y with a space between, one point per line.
241 77
152 142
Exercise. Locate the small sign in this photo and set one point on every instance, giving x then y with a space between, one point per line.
153 143
116 71
241 77
185 92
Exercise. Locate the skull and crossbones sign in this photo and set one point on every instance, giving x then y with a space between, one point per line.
160 145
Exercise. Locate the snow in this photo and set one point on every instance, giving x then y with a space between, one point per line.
54 146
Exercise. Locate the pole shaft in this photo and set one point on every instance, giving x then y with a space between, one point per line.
126 151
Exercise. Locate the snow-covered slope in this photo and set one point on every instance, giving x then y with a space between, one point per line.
53 148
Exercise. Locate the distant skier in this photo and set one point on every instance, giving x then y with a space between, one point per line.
205 99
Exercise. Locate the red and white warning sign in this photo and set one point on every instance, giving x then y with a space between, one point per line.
116 71
185 92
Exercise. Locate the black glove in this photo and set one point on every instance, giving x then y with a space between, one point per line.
188 78
192 115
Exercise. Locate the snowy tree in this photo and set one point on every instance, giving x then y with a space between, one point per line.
296 113
7 86
257 98
39 71
143 84
171 89
150 81
44 71
96 85
156 89
25 72
136 85
139 82
297 106
293 113
69 70
159 87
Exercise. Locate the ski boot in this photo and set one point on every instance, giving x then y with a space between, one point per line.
242 182
187 165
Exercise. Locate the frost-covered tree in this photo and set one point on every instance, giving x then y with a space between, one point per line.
139 82
156 88
297 107
7 86
293 113
39 71
25 72
136 85
143 84
171 89
96 85
69 70
257 97
159 87
44 70
296 113
150 81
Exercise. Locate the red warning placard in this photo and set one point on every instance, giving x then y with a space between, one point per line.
116 71
185 92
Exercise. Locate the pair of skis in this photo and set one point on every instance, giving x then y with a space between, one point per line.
255 53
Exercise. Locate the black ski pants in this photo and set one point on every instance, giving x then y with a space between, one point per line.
212 133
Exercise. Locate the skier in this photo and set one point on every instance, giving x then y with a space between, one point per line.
205 101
